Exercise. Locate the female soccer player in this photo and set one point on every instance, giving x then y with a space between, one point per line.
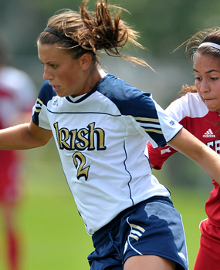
101 126
198 111
17 96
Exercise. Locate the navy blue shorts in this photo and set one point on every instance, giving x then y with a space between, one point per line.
152 227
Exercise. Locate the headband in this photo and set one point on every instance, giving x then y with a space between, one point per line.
60 35
209 44
63 37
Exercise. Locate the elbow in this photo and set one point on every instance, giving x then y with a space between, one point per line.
37 136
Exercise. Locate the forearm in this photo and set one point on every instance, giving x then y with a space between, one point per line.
204 156
23 136
209 161
15 138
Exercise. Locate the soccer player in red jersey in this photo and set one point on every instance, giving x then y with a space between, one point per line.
198 111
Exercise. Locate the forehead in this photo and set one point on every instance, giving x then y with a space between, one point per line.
206 62
51 52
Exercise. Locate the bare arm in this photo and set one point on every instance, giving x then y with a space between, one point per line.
203 155
151 165
24 136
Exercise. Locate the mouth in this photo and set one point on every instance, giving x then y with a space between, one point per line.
56 87
208 99
210 102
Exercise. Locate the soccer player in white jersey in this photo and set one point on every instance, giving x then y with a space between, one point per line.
17 96
101 126
198 111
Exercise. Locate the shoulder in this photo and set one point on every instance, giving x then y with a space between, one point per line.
188 98
191 97
189 104
129 100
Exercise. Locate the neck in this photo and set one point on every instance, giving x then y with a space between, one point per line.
94 77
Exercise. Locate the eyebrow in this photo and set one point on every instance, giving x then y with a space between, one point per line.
209 71
49 62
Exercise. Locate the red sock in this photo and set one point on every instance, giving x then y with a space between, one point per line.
12 250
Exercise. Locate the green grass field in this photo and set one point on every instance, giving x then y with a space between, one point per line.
52 231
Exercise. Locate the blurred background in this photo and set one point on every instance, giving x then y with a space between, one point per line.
52 232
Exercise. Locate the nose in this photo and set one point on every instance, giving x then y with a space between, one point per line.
204 86
47 75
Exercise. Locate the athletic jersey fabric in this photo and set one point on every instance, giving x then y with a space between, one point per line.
192 113
17 95
101 138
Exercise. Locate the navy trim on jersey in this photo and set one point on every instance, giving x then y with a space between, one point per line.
129 100
46 93
129 174
132 101
82 98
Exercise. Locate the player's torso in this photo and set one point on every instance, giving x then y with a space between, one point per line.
193 114
101 138
102 155
205 129
203 124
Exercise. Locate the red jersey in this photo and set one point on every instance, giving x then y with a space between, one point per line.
17 96
192 113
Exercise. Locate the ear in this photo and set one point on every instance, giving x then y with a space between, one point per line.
85 61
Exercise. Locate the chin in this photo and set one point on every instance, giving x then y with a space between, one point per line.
212 109
61 95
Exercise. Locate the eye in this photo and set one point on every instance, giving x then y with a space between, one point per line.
53 66
197 78
214 78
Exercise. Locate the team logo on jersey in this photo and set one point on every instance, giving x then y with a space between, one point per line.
79 140
55 102
208 134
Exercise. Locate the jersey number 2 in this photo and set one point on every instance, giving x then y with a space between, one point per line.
81 171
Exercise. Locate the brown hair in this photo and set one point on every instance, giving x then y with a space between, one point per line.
92 32
207 35
188 89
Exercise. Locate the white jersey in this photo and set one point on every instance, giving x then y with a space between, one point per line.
17 94
101 137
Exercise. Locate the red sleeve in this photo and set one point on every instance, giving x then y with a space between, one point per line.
157 156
